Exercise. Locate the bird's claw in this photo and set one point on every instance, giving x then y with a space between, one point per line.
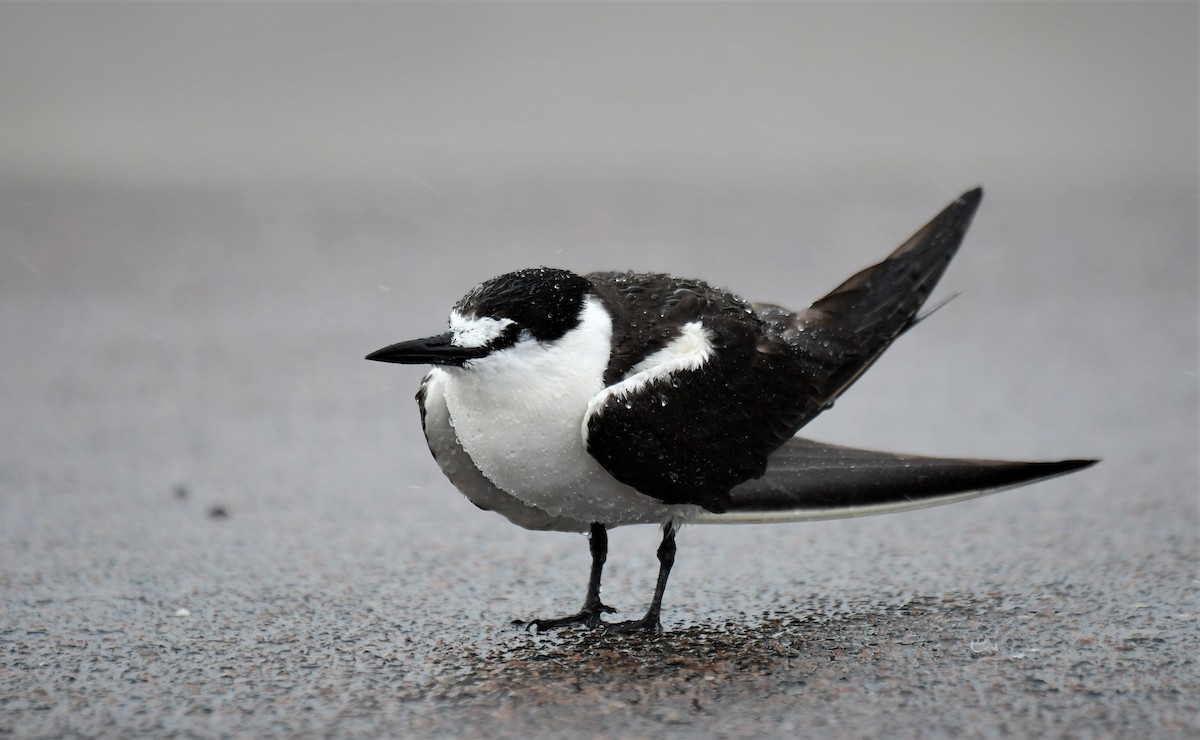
648 623
588 617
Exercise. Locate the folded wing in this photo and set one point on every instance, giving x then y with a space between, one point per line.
809 480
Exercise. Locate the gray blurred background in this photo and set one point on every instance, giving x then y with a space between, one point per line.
210 212
393 93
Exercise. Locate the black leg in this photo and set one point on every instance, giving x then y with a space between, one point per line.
592 606
598 546
666 558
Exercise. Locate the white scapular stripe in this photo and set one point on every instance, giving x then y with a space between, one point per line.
688 351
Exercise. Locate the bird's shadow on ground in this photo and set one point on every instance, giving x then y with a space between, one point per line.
798 642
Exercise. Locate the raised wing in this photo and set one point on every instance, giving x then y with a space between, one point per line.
808 480
841 335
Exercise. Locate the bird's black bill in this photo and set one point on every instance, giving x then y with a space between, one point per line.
428 351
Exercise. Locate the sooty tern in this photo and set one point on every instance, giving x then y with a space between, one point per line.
583 402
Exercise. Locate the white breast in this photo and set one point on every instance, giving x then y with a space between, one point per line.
466 477
519 414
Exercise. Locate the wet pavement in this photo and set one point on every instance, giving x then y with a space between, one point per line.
217 519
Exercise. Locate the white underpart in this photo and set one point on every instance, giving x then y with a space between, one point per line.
472 331
519 414
462 471
688 351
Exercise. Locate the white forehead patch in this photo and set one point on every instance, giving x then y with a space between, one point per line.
475 332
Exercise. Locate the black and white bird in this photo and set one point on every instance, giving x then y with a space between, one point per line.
580 403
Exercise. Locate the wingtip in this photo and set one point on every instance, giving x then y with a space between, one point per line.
973 195
948 228
1045 469
966 204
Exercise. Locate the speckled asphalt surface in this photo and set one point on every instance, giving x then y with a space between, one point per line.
166 354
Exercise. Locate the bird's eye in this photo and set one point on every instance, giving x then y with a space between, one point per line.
508 334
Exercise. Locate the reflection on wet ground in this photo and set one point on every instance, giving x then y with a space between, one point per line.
979 654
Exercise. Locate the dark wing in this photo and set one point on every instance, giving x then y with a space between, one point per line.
650 309
837 338
691 435
811 480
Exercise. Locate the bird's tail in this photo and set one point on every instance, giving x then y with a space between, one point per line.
808 480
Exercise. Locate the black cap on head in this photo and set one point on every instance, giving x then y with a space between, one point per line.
541 300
